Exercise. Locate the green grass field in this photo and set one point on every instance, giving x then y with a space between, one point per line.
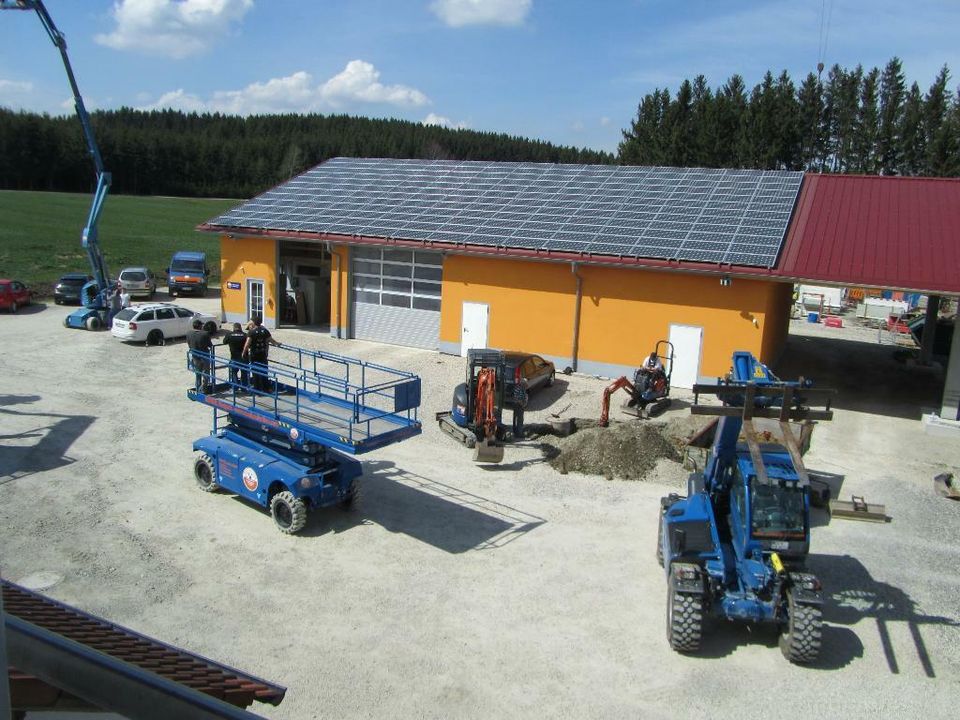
40 234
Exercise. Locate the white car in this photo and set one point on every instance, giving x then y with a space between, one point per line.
153 323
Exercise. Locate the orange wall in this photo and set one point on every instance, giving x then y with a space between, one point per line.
339 291
244 258
623 312
778 321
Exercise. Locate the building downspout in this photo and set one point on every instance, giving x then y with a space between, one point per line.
575 349
339 284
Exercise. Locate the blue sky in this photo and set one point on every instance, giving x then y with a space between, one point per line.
566 71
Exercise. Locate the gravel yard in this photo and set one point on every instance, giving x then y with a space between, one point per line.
468 591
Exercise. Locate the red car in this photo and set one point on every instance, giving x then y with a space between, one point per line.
13 295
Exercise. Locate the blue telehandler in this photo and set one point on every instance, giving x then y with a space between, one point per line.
92 314
285 434
735 546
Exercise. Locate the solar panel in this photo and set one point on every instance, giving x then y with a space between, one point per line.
717 216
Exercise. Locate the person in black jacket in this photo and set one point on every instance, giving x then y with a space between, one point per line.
236 339
199 341
257 347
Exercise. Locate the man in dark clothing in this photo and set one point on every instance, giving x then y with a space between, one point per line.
236 340
199 341
519 402
257 346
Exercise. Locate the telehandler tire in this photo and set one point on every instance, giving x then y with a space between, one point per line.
684 620
288 512
204 471
800 637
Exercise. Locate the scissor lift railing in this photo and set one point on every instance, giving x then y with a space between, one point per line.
314 396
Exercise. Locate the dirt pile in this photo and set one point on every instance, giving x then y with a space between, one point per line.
628 450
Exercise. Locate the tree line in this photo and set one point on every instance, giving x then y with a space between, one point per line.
170 152
856 121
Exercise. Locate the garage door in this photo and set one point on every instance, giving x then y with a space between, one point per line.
396 296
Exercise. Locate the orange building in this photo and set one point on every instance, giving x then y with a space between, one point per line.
589 266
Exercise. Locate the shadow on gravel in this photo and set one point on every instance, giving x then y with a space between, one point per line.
33 308
547 397
840 645
431 511
43 446
867 376
852 595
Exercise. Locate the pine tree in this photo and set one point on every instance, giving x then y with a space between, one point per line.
868 125
811 114
892 94
912 135
936 130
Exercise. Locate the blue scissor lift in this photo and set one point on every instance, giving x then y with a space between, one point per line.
290 447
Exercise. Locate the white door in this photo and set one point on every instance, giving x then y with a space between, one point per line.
475 317
254 298
687 343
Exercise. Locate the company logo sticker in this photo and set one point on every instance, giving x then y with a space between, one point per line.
294 434
250 479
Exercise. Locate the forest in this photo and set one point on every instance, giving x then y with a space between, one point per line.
851 121
211 155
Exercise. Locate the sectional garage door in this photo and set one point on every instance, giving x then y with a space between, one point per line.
396 296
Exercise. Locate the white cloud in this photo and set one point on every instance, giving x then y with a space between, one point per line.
174 28
604 121
443 121
358 83
15 86
577 126
457 13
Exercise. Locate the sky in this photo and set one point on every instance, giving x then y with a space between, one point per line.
570 72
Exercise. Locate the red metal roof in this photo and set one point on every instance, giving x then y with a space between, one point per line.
886 232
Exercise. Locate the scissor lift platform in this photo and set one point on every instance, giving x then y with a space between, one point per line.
317 397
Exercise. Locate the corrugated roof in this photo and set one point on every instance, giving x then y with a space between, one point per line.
886 232
196 672
675 215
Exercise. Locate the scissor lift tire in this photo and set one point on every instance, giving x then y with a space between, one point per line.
204 471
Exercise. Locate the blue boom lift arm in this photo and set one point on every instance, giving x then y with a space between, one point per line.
89 238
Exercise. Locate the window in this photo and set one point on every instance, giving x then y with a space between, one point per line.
254 298
126 314
145 315
397 278
165 314
183 312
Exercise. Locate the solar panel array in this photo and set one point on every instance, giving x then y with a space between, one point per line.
714 216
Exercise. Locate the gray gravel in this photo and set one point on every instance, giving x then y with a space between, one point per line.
459 590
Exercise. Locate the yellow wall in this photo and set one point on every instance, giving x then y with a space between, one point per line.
244 258
777 321
339 291
623 312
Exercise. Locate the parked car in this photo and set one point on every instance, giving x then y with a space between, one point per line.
138 281
534 369
153 323
67 289
13 295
